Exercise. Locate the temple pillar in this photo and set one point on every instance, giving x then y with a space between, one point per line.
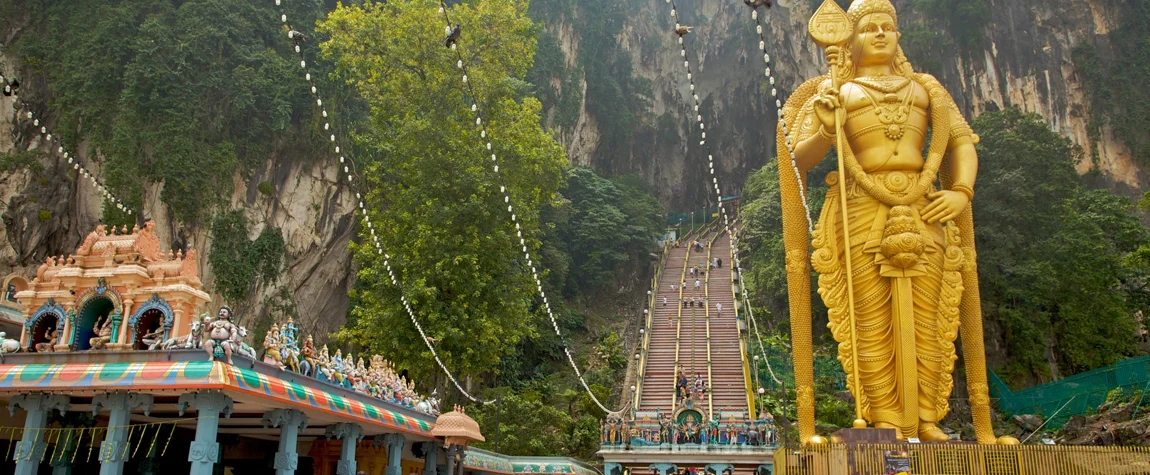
114 451
290 422
62 462
451 451
611 468
205 451
350 434
120 339
462 457
719 468
30 450
394 443
431 452
64 337
664 468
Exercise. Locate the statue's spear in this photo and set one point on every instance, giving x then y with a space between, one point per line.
830 28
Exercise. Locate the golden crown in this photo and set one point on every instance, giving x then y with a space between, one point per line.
861 8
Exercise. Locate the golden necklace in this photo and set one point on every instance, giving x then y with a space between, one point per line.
893 112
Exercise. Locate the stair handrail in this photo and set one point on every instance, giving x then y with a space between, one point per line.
650 314
744 344
707 321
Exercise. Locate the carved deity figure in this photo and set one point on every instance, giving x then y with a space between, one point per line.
103 329
326 368
272 345
307 357
154 338
223 336
898 276
49 344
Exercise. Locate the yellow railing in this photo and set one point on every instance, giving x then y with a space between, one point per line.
647 327
964 459
707 321
702 230
744 345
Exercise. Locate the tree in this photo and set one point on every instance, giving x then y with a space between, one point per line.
435 199
1051 252
188 93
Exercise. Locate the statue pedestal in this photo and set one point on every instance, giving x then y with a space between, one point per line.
870 435
855 437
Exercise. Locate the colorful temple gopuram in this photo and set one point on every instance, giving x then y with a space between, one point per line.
116 366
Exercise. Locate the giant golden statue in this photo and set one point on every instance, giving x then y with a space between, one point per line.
898 274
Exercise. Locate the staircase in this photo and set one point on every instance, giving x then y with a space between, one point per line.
678 336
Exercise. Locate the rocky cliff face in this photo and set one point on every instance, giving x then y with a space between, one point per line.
1025 62
46 211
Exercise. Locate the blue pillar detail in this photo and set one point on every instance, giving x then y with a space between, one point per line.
765 470
462 457
290 422
350 434
451 450
718 468
62 462
114 451
611 468
431 452
205 451
395 443
664 468
30 450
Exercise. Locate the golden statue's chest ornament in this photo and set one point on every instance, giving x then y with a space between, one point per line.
892 111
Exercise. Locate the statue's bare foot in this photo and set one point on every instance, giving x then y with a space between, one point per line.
929 432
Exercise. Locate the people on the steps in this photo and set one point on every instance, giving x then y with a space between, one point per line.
719 309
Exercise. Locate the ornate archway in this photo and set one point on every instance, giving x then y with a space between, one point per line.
50 315
93 312
152 314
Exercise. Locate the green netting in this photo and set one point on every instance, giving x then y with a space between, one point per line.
1078 394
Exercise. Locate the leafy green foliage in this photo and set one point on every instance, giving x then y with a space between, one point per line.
608 223
184 92
242 265
530 424
436 203
762 234
1050 250
1118 83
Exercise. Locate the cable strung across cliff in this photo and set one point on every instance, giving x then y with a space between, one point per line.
11 89
453 33
350 171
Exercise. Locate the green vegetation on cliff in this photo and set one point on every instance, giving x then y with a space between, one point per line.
1117 83
184 92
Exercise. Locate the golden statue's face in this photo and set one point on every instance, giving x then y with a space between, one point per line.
876 39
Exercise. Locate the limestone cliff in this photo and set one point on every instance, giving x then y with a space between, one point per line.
1024 60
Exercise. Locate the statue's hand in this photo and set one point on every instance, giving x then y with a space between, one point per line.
946 205
825 105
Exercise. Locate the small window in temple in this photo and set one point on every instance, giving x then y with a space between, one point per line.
10 293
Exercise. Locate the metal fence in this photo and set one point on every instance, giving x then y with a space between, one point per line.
963 459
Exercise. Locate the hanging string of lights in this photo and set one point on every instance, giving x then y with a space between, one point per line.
350 171
453 33
782 120
11 89
682 31
798 176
